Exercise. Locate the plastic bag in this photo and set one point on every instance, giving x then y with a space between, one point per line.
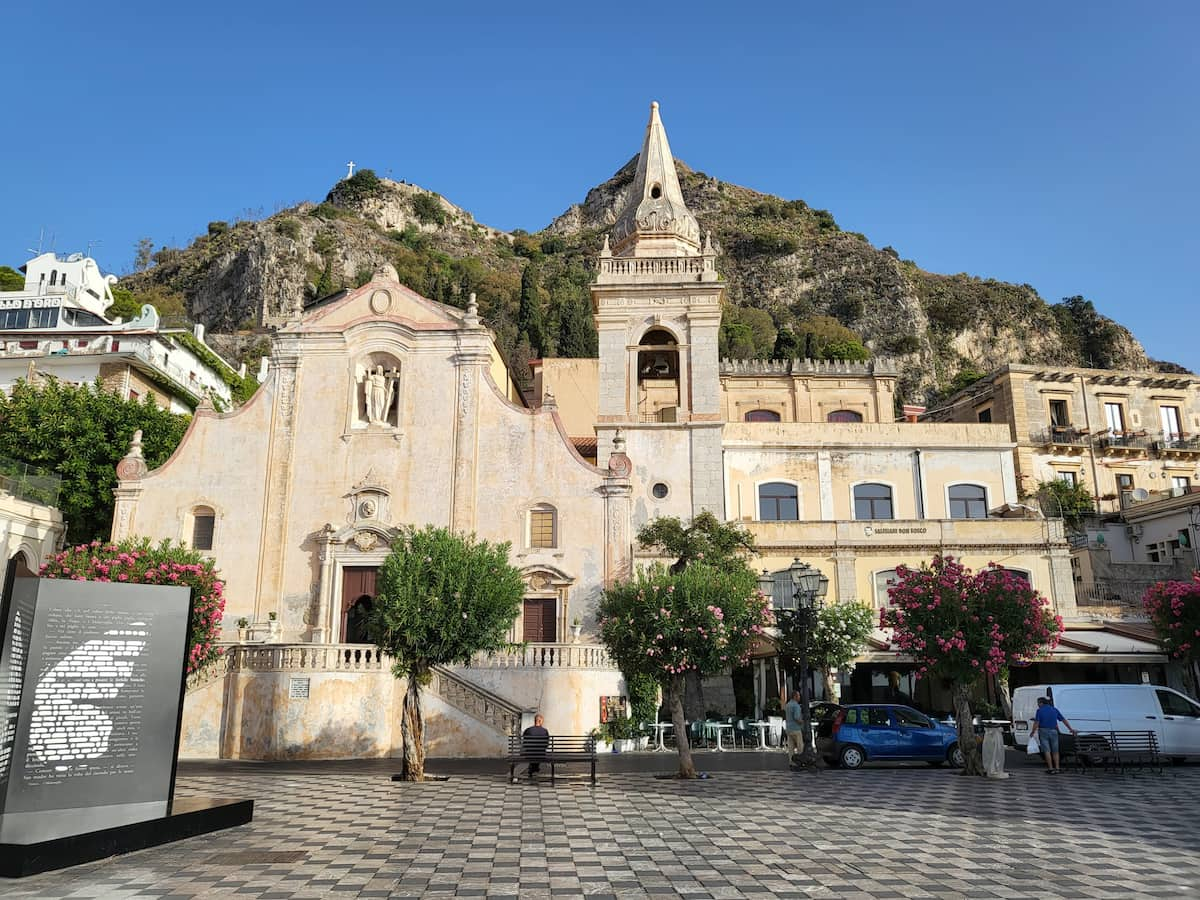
1034 746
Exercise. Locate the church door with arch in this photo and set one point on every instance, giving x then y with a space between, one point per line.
358 593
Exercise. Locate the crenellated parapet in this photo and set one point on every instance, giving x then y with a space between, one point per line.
885 367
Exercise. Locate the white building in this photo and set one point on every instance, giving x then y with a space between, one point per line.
56 327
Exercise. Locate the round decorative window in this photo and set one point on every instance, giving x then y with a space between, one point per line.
660 490
655 192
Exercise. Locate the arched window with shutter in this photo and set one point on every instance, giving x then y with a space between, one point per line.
204 523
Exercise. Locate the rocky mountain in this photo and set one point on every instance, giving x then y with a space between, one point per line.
789 267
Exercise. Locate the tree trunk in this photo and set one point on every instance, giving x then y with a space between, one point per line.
412 731
972 762
828 683
675 689
693 696
1005 693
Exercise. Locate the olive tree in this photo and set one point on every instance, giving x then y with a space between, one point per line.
442 598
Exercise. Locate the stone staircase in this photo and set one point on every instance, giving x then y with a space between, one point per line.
479 703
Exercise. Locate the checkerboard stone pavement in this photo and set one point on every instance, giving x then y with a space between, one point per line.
346 830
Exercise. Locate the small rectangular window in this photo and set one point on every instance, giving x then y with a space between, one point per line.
202 532
985 415
1114 416
1060 417
541 528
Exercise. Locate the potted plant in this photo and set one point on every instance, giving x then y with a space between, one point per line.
243 625
620 731
599 737
273 625
641 740
576 627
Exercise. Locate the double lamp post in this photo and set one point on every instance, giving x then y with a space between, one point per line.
797 593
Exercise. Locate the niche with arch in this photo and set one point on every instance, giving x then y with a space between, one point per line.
376 383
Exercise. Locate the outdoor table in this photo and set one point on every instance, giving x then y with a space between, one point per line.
777 724
661 728
718 728
762 734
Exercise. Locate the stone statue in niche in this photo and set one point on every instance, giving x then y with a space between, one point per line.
379 394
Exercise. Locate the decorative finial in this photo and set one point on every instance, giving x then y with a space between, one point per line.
708 241
132 466
606 250
548 400
619 465
653 106
472 317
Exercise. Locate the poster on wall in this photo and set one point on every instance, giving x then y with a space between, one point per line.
612 707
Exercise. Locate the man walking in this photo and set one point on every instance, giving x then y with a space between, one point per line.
794 713
1045 729
534 741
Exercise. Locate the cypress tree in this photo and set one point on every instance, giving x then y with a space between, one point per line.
576 334
529 314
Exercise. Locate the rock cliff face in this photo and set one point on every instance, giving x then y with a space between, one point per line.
779 256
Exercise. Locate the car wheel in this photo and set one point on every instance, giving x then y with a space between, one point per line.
955 757
852 757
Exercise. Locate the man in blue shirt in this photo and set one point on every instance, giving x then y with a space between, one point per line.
1045 729
794 713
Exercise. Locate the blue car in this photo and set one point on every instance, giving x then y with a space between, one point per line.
866 732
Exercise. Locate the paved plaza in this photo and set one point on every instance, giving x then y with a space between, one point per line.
345 830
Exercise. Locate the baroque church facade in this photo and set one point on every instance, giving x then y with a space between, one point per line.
383 408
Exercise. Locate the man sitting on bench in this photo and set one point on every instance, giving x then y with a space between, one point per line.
534 741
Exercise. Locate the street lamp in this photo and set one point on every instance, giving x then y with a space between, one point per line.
796 595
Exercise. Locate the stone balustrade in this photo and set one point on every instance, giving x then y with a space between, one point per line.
548 656
666 265
368 658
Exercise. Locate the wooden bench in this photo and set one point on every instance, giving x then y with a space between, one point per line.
1117 751
553 751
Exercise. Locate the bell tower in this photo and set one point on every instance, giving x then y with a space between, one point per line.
657 304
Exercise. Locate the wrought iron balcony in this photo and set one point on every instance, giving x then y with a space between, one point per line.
1178 443
1061 436
1124 441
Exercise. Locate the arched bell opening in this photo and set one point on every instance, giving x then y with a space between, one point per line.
658 376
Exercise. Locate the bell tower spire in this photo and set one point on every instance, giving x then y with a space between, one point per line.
656 221
657 302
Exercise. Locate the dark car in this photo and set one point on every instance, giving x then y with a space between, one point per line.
865 732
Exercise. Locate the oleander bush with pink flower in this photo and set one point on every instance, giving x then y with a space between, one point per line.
702 619
1174 610
137 561
960 625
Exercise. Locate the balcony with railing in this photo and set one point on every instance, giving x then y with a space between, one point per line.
29 483
1123 443
1063 436
1177 444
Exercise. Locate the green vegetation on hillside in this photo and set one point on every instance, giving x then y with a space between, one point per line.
11 279
798 284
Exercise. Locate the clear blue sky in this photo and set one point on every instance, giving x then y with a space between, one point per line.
1050 143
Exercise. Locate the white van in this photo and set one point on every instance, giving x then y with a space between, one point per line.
1174 717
